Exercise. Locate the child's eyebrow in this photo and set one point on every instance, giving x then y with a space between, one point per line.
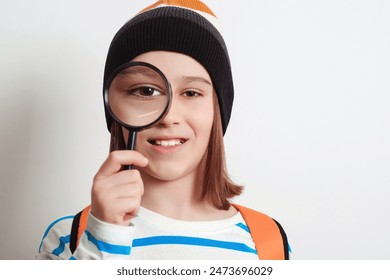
198 79
138 71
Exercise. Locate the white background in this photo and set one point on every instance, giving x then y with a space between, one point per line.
309 135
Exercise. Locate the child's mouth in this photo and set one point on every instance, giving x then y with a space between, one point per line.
166 142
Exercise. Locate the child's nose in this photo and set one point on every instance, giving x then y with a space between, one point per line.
174 115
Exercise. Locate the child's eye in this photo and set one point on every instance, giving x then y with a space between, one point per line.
145 92
191 94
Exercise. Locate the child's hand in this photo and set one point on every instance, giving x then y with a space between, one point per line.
116 194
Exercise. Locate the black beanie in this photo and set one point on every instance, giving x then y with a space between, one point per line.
183 26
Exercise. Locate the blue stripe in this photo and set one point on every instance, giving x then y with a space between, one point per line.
196 241
107 247
61 247
49 228
244 227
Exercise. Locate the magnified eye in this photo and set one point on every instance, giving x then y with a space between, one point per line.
145 92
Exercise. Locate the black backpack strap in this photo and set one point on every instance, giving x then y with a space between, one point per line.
74 232
285 241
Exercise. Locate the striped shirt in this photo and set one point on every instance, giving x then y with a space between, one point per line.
151 236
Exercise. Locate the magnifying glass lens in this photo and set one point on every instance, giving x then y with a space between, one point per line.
138 96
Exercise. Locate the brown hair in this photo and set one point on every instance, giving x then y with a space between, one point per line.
217 187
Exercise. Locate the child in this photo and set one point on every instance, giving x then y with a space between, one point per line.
174 204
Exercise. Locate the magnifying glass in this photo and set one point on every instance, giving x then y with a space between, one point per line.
138 96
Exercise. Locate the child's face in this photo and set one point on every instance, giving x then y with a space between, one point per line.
176 146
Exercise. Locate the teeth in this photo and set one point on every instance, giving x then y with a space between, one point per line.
168 143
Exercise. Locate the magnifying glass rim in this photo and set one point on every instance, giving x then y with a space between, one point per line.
112 77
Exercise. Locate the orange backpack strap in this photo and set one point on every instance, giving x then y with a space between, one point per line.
269 237
79 225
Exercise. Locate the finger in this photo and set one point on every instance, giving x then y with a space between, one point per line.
122 209
129 205
121 178
126 206
117 159
127 191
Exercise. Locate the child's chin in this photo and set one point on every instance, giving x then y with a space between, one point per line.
167 172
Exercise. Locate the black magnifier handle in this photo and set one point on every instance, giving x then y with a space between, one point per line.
131 145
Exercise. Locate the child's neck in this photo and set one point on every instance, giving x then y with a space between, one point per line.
179 199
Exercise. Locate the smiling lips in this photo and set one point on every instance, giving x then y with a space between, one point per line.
167 142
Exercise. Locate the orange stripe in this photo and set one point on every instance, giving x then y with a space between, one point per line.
190 4
265 233
82 223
